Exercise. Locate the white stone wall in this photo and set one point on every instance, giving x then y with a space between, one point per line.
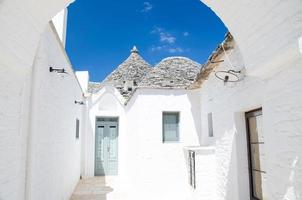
60 22
267 31
106 103
39 152
205 173
83 78
54 151
159 170
22 23
280 97
283 125
14 106
268 34
148 168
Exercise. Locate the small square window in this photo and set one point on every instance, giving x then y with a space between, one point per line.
77 128
170 127
210 125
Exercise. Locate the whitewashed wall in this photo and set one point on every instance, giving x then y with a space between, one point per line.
53 151
148 168
268 34
39 152
60 23
280 97
267 31
14 109
106 103
158 170
22 23
205 173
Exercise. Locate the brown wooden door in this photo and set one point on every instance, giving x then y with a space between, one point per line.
256 152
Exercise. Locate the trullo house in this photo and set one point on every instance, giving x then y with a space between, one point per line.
140 119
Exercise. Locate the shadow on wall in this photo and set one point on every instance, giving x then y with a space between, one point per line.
195 100
292 191
226 164
289 190
109 94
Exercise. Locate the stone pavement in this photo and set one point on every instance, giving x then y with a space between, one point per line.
91 189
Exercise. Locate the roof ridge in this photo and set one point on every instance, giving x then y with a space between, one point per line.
177 57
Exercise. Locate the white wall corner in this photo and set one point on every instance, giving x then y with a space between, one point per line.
60 23
83 77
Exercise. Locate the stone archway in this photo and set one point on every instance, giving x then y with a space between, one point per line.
267 31
264 29
22 25
269 35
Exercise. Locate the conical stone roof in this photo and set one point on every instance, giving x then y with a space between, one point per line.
135 72
133 69
128 74
172 72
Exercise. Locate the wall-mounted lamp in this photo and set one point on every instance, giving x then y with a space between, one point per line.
59 71
228 76
79 102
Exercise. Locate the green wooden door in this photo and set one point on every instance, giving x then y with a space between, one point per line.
106 148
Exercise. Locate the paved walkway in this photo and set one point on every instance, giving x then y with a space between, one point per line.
91 189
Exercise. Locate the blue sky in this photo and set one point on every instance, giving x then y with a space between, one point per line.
101 33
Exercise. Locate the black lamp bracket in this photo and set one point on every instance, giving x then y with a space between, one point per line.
57 70
79 102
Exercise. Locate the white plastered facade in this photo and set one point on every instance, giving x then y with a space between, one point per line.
146 165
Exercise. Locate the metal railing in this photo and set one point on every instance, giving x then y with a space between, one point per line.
192 176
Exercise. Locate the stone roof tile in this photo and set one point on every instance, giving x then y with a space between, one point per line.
135 72
172 72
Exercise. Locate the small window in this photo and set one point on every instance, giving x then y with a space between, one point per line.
170 126
134 83
210 125
77 129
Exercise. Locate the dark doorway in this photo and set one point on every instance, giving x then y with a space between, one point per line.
256 143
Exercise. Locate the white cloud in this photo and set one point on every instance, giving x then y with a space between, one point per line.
186 34
175 50
164 36
147 7
157 48
168 48
167 41
156 30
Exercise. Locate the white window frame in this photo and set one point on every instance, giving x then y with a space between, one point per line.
178 127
